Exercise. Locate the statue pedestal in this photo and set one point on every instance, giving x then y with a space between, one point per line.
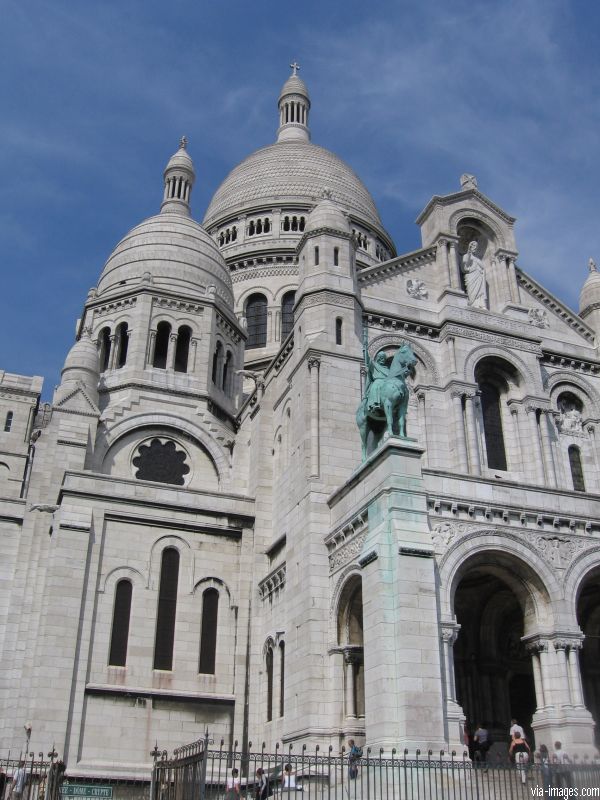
403 684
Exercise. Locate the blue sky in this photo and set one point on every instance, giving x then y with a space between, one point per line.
94 97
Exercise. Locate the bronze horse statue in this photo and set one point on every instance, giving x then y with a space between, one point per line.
382 411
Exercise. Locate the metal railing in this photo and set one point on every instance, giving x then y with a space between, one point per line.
196 772
40 779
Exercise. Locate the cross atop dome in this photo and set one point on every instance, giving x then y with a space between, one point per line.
295 67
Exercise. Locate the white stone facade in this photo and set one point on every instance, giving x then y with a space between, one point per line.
453 575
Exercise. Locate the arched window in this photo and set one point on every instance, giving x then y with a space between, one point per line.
302 223
120 624
104 345
234 233
256 318
226 382
287 313
259 226
182 350
269 666
251 229
281 678
286 224
221 239
267 226
167 608
122 343
576 468
161 345
208 634
217 355
8 422
492 426
338 330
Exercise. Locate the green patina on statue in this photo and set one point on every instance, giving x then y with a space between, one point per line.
382 412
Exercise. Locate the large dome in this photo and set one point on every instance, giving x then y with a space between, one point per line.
291 172
171 251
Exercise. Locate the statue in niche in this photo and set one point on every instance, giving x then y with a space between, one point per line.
382 412
569 418
474 272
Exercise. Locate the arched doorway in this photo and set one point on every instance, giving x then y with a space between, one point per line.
495 608
588 616
350 640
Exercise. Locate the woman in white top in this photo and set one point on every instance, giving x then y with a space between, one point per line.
289 777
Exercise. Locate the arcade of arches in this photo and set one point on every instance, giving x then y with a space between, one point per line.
350 641
509 661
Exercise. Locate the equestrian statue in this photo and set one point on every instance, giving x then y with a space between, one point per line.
382 412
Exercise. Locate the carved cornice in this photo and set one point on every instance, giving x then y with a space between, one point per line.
510 342
570 362
225 325
345 543
273 583
327 297
463 516
400 326
116 305
177 305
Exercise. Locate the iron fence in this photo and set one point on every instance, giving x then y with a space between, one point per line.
197 772
31 777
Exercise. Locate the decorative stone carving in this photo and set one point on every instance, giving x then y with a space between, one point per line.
538 317
569 420
536 646
417 289
558 551
592 265
444 533
468 181
347 552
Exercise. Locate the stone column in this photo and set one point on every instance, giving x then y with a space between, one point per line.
575 673
314 365
442 251
535 648
538 457
171 351
350 677
192 355
113 351
151 348
423 420
547 448
454 267
451 342
516 438
561 646
472 438
591 432
459 432
512 280
449 636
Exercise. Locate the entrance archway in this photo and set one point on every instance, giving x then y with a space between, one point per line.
497 601
588 616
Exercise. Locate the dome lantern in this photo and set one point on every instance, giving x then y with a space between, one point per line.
294 105
179 177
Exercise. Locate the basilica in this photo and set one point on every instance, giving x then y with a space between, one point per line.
194 536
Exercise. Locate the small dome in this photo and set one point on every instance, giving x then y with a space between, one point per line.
82 362
173 252
180 160
590 291
327 214
294 85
